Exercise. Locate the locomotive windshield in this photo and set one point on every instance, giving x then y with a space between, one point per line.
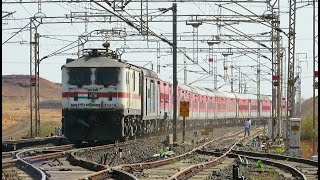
107 76
79 76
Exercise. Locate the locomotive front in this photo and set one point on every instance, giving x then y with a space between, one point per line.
91 107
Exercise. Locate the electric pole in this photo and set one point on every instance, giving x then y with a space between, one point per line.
175 82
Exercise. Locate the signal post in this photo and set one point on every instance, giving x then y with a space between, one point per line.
184 112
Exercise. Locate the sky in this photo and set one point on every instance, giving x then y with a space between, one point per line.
16 51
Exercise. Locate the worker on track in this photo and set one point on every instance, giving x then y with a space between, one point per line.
247 125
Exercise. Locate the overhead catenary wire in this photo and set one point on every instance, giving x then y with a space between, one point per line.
150 31
16 33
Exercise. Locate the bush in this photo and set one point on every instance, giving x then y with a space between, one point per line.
307 127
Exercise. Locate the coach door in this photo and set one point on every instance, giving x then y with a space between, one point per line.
147 99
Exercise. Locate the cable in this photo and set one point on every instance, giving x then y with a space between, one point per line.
15 33
243 15
56 52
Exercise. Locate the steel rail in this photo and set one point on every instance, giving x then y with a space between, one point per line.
257 156
191 170
148 165
26 163
277 156
22 143
32 170
104 170
13 153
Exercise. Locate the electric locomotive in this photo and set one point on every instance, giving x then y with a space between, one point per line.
97 95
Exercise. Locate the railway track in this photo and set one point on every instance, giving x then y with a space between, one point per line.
298 167
55 163
164 172
199 170
8 156
14 163
61 162
14 145
156 167
185 166
289 167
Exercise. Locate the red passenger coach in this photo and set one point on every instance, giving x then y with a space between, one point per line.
243 107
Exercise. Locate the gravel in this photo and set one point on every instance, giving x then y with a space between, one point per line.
142 150
10 174
250 172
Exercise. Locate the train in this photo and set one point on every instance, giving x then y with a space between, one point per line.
107 99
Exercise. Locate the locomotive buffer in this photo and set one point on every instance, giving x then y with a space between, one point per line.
184 112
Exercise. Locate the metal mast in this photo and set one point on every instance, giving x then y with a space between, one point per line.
195 23
215 72
258 88
214 60
231 76
185 76
239 79
210 59
158 57
315 79
279 88
144 17
225 63
175 82
291 61
275 72
298 88
34 77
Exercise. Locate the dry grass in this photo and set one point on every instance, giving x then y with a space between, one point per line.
16 120
16 110
306 146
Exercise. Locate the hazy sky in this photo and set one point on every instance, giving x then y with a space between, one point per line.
16 52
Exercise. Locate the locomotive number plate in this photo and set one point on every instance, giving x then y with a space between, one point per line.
110 105
93 95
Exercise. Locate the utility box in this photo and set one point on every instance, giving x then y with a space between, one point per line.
295 128
294 141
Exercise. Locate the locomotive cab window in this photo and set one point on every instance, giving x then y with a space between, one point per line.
107 76
79 76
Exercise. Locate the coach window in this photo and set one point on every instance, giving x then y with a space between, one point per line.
127 78
107 76
153 95
79 76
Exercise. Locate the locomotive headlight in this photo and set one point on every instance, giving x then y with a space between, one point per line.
93 95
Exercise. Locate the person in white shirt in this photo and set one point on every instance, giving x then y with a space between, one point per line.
247 125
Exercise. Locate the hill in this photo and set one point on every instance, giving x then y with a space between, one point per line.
16 88
16 108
